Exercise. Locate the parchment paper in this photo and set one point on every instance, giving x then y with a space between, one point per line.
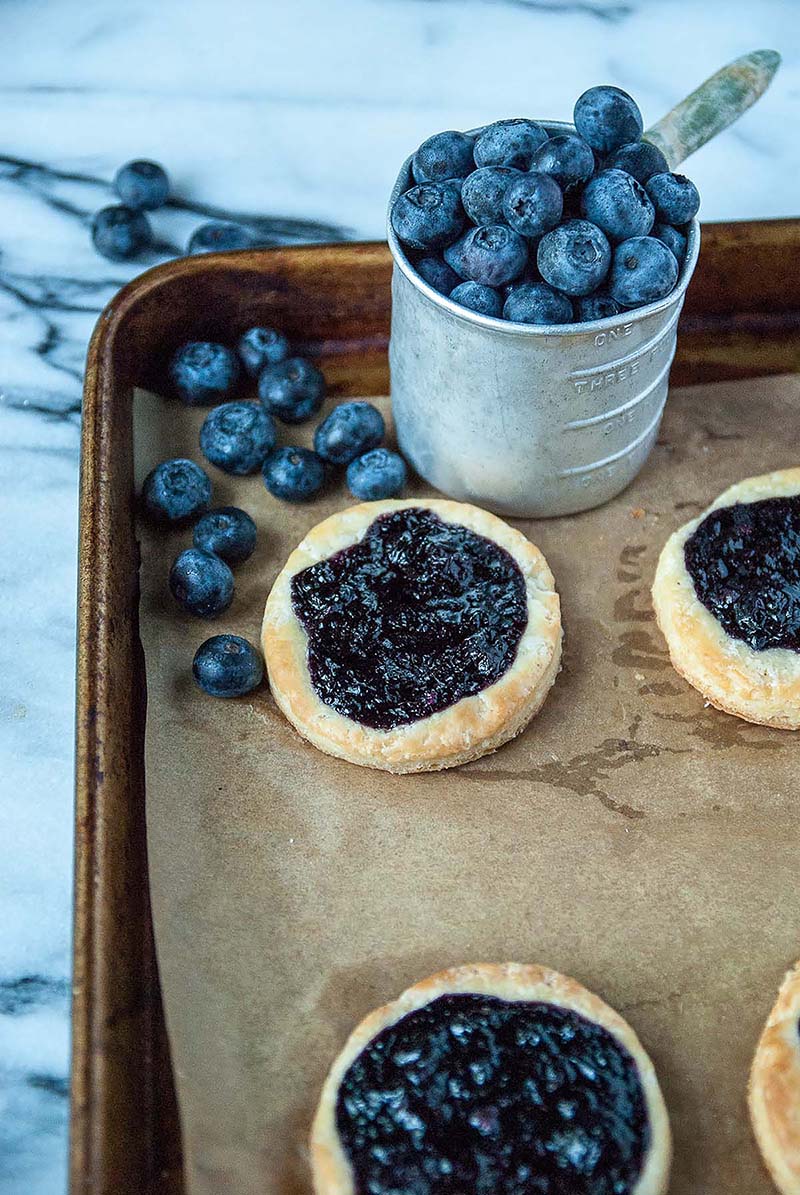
631 837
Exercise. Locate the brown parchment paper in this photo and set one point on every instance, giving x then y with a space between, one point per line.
632 837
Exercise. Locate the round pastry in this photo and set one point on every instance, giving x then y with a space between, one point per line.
727 598
411 635
497 1078
774 1090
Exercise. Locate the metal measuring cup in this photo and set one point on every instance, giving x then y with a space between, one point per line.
532 420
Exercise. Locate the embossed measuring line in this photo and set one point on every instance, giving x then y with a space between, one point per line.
624 368
628 406
578 470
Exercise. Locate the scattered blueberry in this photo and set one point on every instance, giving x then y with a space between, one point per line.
674 197
176 491
566 158
221 236
484 190
492 255
293 474
429 216
483 299
120 232
597 306
376 474
293 390
509 143
533 204
617 203
228 532
437 273
575 257
201 583
227 666
673 238
639 158
350 429
443 156
607 117
142 184
237 436
643 270
537 303
204 372
262 346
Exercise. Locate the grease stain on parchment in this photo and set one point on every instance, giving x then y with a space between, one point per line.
582 774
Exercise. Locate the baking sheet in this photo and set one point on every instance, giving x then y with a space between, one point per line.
632 837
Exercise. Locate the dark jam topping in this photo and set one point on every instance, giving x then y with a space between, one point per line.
417 615
744 561
473 1095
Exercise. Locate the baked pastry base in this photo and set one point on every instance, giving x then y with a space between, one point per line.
509 981
774 1088
466 730
760 686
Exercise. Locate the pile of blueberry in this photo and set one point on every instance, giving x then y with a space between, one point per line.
239 436
516 224
122 231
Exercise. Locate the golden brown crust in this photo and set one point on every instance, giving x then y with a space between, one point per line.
464 731
510 981
774 1088
760 686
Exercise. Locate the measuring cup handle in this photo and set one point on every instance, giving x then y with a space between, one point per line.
715 104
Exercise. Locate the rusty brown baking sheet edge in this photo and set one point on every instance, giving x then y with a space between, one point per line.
742 319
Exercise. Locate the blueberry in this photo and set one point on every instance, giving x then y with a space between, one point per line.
674 197
228 532
575 257
142 184
201 583
204 372
484 299
176 491
227 666
237 436
607 117
293 390
533 204
597 306
673 239
537 303
376 474
566 158
643 270
294 474
350 429
639 158
617 203
483 193
509 143
492 255
443 156
437 273
262 346
428 216
120 232
221 236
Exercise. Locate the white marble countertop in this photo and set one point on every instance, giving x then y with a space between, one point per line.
300 111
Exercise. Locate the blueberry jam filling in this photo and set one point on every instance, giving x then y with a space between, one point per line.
492 1097
744 561
417 615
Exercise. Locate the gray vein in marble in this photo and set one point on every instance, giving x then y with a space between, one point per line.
275 230
601 9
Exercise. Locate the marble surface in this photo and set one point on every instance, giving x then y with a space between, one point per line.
300 112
